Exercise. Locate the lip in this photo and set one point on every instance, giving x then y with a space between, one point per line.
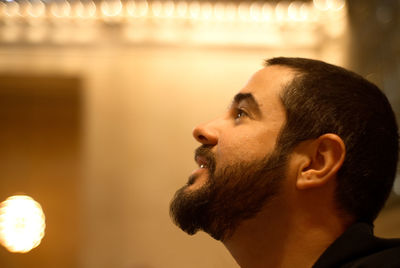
198 171
201 161
202 165
197 174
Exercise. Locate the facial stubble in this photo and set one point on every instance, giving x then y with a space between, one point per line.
229 196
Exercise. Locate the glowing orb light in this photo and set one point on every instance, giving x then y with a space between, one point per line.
22 223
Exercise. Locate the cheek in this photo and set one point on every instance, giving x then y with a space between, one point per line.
238 148
229 153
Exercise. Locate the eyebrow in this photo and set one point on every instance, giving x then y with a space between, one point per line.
249 98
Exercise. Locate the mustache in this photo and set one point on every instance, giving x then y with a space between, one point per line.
205 152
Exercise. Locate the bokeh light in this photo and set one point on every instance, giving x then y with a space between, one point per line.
22 223
278 23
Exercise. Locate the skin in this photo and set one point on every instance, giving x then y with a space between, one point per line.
294 228
243 139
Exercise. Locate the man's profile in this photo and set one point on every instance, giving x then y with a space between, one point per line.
294 173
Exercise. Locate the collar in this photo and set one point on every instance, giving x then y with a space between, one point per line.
356 242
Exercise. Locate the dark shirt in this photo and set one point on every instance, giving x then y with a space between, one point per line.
358 247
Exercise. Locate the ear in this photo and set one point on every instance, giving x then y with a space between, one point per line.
322 159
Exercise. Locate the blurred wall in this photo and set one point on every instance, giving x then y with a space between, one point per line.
40 148
374 27
375 44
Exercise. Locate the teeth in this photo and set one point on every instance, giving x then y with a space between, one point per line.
202 166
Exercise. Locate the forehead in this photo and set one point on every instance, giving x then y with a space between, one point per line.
266 84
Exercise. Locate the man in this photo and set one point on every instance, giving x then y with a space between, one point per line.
296 170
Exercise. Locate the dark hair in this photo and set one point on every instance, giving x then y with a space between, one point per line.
323 98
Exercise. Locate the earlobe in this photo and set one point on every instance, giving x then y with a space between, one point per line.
325 157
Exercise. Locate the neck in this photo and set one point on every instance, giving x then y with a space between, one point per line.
292 238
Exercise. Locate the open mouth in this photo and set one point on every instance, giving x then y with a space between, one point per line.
201 161
202 167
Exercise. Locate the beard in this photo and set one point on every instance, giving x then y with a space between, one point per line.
230 195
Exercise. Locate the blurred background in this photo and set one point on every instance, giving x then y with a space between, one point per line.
98 100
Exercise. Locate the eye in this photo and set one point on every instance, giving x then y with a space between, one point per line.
239 113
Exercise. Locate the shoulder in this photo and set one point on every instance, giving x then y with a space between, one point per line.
385 255
357 247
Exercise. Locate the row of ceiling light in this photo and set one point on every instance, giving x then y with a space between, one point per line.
224 11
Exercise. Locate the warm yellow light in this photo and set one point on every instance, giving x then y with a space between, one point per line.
267 11
137 8
294 11
244 11
321 4
12 9
256 11
231 11
181 8
60 9
156 7
77 9
194 9
329 4
256 22
206 10
281 11
84 10
169 7
219 11
35 8
305 11
111 8
22 223
336 4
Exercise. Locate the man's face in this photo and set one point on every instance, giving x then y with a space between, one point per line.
240 167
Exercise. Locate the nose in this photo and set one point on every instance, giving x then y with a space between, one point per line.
206 134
